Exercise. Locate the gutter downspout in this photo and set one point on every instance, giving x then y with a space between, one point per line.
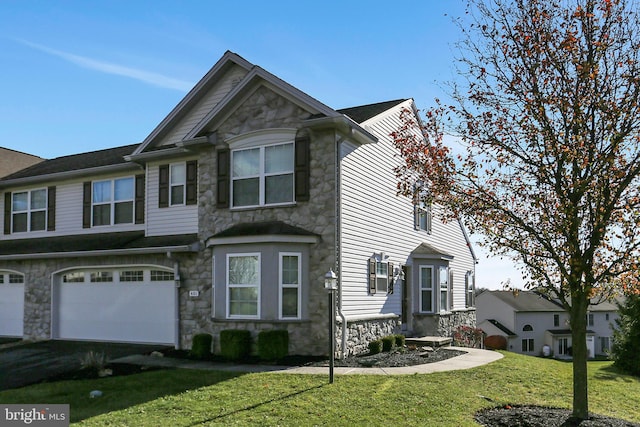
176 308
338 237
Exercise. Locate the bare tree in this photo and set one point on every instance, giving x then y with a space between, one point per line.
548 112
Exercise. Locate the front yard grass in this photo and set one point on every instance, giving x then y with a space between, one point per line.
189 397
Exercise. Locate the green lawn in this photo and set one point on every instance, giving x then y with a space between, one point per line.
188 397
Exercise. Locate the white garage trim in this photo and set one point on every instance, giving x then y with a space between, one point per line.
11 303
125 303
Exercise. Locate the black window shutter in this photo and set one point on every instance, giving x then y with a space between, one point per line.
192 182
223 184
390 284
86 204
7 212
372 275
302 167
139 197
51 208
163 186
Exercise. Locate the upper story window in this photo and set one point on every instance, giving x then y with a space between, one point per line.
178 183
527 328
556 320
264 168
590 320
29 210
262 175
112 201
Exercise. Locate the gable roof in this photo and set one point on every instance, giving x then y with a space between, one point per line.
526 301
93 161
363 113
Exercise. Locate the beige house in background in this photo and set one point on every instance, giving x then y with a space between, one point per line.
12 161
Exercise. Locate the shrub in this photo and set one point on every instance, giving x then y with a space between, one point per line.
388 342
375 347
400 340
235 344
466 336
201 346
273 345
95 363
626 336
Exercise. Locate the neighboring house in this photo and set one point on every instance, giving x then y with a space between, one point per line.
12 161
531 321
228 216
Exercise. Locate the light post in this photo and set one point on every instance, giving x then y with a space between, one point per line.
330 285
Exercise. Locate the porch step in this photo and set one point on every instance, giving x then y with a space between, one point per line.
434 342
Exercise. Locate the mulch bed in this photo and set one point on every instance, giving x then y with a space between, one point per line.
539 416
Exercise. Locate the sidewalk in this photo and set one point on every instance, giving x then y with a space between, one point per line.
473 357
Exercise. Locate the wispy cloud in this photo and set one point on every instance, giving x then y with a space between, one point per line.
110 68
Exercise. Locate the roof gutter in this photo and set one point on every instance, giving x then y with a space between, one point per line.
345 125
112 252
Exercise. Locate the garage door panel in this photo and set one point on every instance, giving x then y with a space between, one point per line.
11 309
133 312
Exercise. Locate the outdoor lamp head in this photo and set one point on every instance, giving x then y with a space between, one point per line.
330 280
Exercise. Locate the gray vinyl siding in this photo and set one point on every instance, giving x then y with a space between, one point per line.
206 104
169 220
374 219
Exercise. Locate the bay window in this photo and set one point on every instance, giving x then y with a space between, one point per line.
290 274
243 285
426 289
443 276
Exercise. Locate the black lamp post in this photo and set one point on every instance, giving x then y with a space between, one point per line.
330 285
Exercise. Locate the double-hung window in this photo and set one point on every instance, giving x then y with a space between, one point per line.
29 210
528 345
426 289
178 183
113 201
263 175
243 286
290 285
470 288
443 276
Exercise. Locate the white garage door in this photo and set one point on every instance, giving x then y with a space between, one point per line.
128 305
11 304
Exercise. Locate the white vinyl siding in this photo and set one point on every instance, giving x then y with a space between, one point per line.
374 219
181 219
217 92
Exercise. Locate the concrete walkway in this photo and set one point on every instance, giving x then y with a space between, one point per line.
473 357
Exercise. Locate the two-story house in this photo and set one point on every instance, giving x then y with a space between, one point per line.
228 216
535 324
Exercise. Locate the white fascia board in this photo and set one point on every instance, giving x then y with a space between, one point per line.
112 252
267 238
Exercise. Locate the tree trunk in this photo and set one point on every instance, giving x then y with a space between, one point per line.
579 304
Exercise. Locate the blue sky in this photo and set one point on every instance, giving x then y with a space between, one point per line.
85 75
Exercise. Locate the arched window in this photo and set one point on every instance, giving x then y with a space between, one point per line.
527 328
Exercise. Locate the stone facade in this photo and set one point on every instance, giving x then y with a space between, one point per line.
443 324
265 110
361 332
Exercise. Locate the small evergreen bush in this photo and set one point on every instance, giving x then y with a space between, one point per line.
201 346
375 347
388 342
273 345
626 336
400 340
235 344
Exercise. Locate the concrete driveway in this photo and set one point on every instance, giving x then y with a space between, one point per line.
25 364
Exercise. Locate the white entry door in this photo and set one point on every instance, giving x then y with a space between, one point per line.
127 305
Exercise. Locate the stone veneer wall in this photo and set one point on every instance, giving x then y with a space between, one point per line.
265 109
443 325
361 332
